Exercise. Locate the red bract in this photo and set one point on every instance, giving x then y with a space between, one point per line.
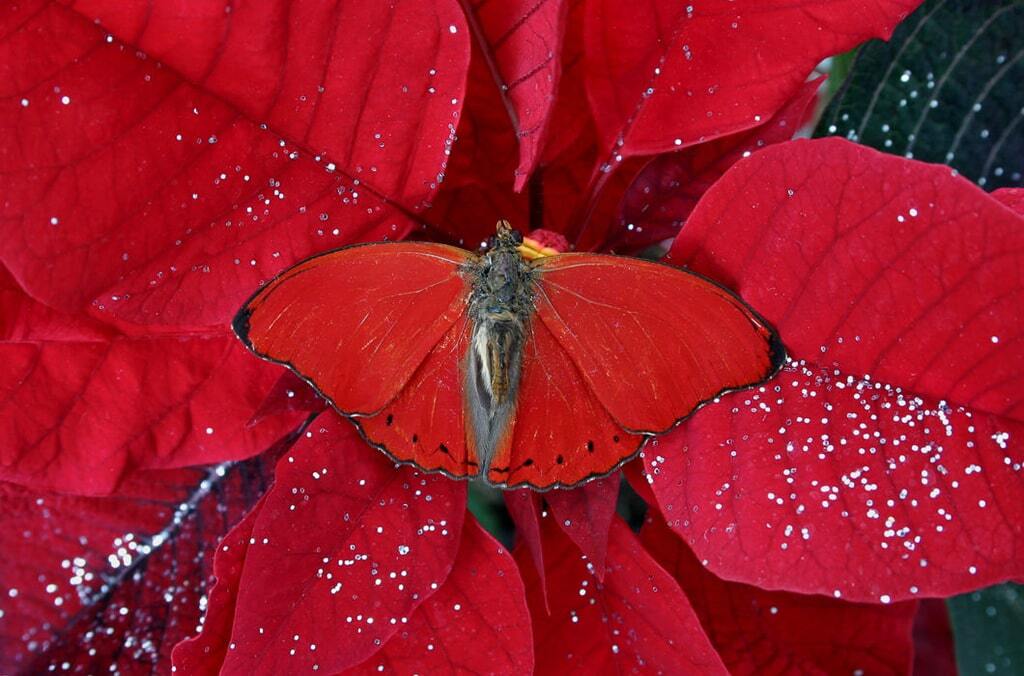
480 604
635 620
524 507
114 582
206 652
757 631
885 461
520 43
83 405
164 161
585 515
933 639
666 190
476 622
655 95
164 191
344 547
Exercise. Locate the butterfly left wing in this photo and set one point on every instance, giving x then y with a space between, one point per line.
357 322
381 331
652 342
426 423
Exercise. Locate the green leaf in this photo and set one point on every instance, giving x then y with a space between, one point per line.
947 88
989 630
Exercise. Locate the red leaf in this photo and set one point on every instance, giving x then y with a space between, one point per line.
766 632
660 77
640 481
523 507
166 193
571 120
479 180
205 652
346 545
885 461
26 320
933 640
521 43
1011 197
290 394
479 186
82 406
585 514
637 620
113 582
366 86
481 605
659 200
476 623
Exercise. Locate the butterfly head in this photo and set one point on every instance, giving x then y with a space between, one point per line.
505 238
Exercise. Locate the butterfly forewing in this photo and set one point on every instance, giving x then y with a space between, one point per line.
357 322
652 342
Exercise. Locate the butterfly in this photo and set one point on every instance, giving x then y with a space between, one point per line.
540 373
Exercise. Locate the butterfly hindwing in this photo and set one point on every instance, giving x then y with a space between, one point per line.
357 322
425 424
652 342
561 434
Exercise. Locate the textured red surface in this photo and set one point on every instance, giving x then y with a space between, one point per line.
82 405
586 515
162 161
656 204
357 541
521 45
477 622
654 95
637 620
884 462
771 632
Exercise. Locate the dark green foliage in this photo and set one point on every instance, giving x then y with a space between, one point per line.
948 88
989 630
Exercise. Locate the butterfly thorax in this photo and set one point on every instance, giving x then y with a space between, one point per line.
500 307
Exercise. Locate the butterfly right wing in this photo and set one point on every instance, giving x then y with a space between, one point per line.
358 322
653 342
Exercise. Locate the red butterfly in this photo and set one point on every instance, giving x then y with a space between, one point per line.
542 373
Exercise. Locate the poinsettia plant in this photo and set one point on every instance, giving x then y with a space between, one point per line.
170 502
